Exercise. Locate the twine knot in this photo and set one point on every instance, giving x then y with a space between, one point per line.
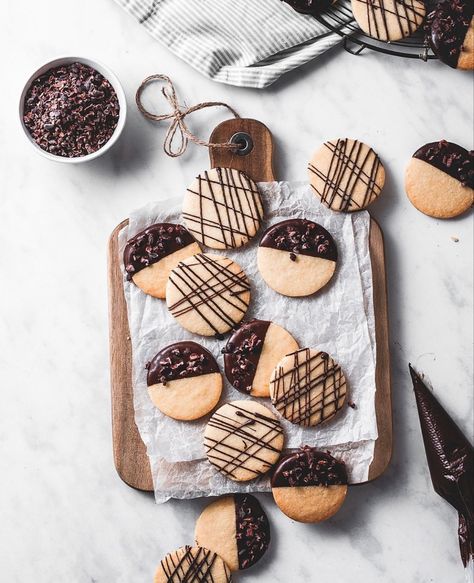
177 116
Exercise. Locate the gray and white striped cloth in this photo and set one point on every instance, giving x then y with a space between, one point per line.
249 43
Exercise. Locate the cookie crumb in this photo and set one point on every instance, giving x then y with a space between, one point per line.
455 239
351 404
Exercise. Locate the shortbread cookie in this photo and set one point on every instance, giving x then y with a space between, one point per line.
192 565
252 353
347 175
151 255
208 294
308 387
450 28
309 485
243 440
236 528
222 208
297 257
439 179
389 20
184 381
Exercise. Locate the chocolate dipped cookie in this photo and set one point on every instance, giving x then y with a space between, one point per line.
308 387
439 179
208 294
150 255
222 208
347 175
184 381
252 353
297 257
236 528
309 485
192 565
243 439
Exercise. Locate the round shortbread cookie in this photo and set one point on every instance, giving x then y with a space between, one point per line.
208 294
222 208
252 353
184 381
439 179
192 564
308 387
296 257
150 255
451 33
236 528
389 20
347 175
309 485
243 440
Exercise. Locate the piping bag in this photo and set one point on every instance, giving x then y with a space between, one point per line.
451 462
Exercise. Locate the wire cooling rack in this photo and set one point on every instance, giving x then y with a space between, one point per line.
339 19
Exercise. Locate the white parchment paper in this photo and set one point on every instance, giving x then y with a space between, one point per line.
339 319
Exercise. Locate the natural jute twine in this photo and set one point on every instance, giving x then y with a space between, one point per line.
176 117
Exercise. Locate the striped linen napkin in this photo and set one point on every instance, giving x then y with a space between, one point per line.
249 43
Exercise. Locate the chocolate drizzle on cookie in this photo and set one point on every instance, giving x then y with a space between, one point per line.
449 158
311 391
252 530
300 237
152 244
392 20
446 28
235 209
179 361
256 433
195 566
309 467
242 353
219 290
353 165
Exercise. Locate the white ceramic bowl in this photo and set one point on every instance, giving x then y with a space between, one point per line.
109 75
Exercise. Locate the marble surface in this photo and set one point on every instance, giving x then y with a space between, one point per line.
65 514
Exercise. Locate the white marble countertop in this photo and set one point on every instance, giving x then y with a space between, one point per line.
65 514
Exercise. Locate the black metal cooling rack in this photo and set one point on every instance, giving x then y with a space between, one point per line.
339 19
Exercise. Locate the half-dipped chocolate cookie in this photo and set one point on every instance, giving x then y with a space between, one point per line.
208 294
150 255
243 440
347 175
192 565
312 7
439 179
184 381
296 257
308 387
252 353
309 485
236 528
389 20
450 28
222 208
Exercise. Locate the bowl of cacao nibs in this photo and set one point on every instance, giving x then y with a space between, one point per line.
72 109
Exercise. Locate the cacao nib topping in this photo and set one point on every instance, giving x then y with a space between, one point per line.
71 110
308 6
446 28
178 361
300 237
252 530
242 352
152 244
450 158
309 467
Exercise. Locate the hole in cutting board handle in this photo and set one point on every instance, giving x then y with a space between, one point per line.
244 141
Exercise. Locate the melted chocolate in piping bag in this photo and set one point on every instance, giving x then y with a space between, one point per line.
451 462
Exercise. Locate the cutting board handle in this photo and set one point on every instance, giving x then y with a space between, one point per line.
256 160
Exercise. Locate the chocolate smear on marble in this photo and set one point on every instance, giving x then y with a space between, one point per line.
450 459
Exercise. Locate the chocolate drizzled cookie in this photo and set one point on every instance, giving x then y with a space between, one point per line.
192 565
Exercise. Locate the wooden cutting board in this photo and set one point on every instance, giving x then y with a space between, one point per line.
129 451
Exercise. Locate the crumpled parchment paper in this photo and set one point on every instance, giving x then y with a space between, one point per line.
339 319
